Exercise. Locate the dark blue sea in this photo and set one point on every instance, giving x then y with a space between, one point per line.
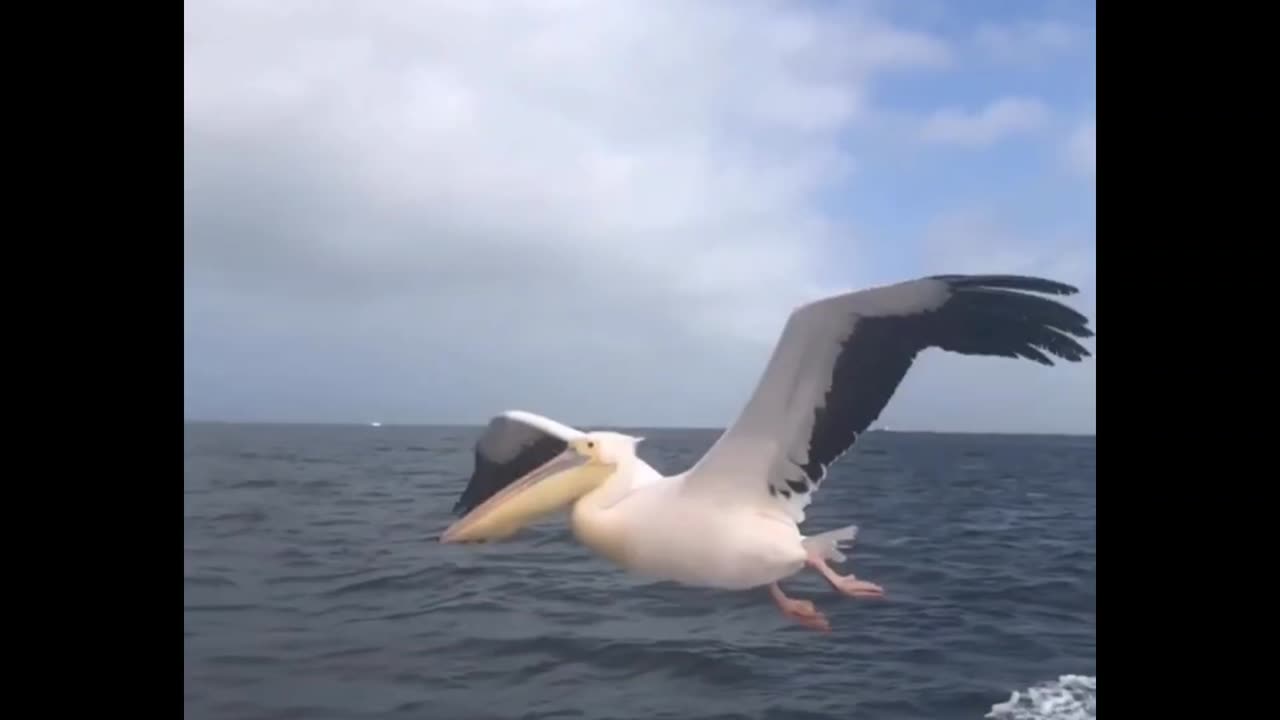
314 589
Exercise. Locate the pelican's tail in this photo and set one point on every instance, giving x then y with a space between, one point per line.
827 544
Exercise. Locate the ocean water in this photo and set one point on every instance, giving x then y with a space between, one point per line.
314 588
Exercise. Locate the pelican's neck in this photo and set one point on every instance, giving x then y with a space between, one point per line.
615 485
593 521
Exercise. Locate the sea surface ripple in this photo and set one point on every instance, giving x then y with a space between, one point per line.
314 588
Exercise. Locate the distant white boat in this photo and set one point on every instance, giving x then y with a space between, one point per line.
375 423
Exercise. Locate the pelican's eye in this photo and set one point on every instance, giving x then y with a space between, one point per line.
590 444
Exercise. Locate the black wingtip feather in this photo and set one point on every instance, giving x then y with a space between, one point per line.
980 321
992 315
1025 283
505 453
997 315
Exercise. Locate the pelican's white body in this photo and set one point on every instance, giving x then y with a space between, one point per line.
650 525
732 520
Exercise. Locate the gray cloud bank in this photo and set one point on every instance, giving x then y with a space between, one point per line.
421 212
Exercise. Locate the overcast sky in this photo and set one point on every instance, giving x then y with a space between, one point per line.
602 211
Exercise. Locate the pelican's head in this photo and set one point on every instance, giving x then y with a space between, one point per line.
608 449
511 497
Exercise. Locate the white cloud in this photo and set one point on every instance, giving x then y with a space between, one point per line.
1000 119
975 241
422 202
1028 42
1081 152
981 240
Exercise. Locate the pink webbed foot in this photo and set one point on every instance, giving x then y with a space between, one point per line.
802 611
846 584
853 587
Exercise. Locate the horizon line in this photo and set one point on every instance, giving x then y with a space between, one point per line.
383 425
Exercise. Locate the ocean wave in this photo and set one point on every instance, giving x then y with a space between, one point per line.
324 594
1070 697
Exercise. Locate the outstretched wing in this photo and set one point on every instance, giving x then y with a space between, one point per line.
840 359
514 444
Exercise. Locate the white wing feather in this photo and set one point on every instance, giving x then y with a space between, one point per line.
839 360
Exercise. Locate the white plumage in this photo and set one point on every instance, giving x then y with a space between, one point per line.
732 520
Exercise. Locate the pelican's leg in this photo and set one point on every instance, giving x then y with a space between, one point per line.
802 611
847 584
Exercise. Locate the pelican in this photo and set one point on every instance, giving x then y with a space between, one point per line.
732 520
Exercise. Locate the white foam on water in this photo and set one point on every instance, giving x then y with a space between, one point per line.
1070 697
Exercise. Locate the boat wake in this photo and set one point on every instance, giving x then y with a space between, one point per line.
1070 697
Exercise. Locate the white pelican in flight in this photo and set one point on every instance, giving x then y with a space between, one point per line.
732 520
